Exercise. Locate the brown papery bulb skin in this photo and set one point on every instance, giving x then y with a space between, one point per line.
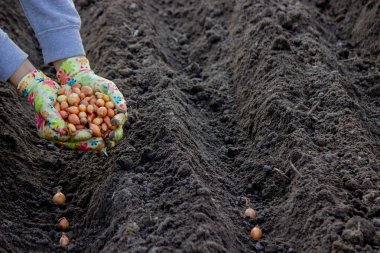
101 112
71 129
110 113
59 199
64 240
77 91
74 119
63 224
82 107
75 85
95 130
249 212
64 105
87 90
90 108
61 91
83 121
64 114
72 110
100 102
73 99
57 106
256 233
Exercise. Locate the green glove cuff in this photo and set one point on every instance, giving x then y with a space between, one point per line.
94 144
71 67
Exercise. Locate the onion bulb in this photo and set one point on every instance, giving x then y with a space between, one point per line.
64 240
63 223
256 233
250 213
87 90
73 99
59 198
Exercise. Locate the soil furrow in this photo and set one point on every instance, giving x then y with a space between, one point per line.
197 135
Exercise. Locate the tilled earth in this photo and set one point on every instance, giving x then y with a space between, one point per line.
266 102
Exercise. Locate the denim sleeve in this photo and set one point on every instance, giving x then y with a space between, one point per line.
56 24
11 56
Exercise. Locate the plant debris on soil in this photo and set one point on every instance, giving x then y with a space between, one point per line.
277 102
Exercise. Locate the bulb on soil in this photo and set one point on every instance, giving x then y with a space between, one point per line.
250 213
63 224
64 240
256 233
59 199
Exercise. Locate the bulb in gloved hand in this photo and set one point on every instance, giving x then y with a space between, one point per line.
101 112
95 112
73 99
82 108
100 102
87 90
95 130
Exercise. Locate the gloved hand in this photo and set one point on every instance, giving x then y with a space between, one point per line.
77 70
42 94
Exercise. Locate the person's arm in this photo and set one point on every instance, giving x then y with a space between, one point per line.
56 25
13 61
25 68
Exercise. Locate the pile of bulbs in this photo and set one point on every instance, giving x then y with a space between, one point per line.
84 109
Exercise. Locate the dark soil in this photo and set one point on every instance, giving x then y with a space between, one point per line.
277 102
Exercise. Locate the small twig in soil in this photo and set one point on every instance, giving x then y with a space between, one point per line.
281 173
175 39
135 33
313 108
295 169
350 59
126 26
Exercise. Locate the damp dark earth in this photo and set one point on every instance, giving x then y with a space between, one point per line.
267 102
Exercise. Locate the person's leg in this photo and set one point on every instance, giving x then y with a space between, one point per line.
13 61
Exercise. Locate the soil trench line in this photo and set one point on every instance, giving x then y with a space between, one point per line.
196 132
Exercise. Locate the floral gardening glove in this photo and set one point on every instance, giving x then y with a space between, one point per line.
42 94
77 70
95 144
